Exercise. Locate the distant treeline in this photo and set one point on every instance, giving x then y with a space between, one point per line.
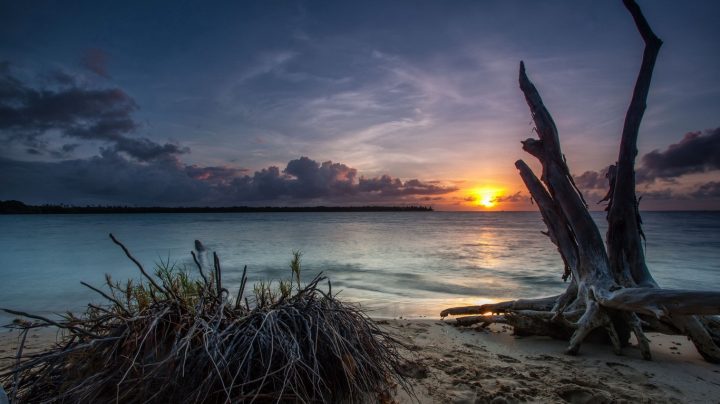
17 207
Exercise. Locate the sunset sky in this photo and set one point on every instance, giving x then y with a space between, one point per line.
346 102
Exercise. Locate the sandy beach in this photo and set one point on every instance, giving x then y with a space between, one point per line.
467 365
447 364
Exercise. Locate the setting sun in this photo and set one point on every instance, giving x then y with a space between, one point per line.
485 197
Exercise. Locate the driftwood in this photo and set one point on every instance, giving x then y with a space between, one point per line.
611 288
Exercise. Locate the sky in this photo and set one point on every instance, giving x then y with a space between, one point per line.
297 103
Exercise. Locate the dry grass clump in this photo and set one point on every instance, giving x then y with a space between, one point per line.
172 338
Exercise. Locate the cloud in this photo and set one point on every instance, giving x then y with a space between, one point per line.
592 179
704 191
320 180
708 190
695 153
95 60
145 149
512 198
61 77
306 179
112 178
65 151
386 185
29 116
266 63
56 115
660 194
108 178
216 175
516 197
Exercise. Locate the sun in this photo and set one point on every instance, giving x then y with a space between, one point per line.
485 197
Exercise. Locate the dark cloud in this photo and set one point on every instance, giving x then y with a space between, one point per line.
26 109
214 174
703 192
306 179
108 178
386 185
265 184
145 149
313 180
659 194
104 129
65 151
68 148
28 115
112 178
56 77
696 152
516 197
592 179
95 60
708 190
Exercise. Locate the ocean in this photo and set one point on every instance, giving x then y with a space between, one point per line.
394 264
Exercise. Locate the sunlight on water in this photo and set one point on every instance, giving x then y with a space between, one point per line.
408 264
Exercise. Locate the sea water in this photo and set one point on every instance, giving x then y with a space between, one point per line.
410 264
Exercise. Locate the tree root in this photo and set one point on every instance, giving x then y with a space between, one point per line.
542 304
611 289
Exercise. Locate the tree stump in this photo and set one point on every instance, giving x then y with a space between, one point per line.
611 287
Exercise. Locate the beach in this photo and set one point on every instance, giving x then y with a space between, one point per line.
447 364
252 203
467 365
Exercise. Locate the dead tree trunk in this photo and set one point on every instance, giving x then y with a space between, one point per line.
610 289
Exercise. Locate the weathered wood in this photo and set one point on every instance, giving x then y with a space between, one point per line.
624 235
611 289
558 229
636 326
625 249
531 322
556 175
484 320
545 303
662 302
700 336
593 267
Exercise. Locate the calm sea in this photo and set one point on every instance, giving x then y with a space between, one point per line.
394 264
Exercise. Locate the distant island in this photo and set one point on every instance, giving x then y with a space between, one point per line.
16 207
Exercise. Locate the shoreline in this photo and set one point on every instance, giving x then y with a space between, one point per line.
13 207
468 365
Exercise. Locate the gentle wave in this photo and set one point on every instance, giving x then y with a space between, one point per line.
394 264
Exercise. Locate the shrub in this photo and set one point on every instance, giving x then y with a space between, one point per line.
178 338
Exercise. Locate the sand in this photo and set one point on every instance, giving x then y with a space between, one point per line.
36 341
473 365
469 365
